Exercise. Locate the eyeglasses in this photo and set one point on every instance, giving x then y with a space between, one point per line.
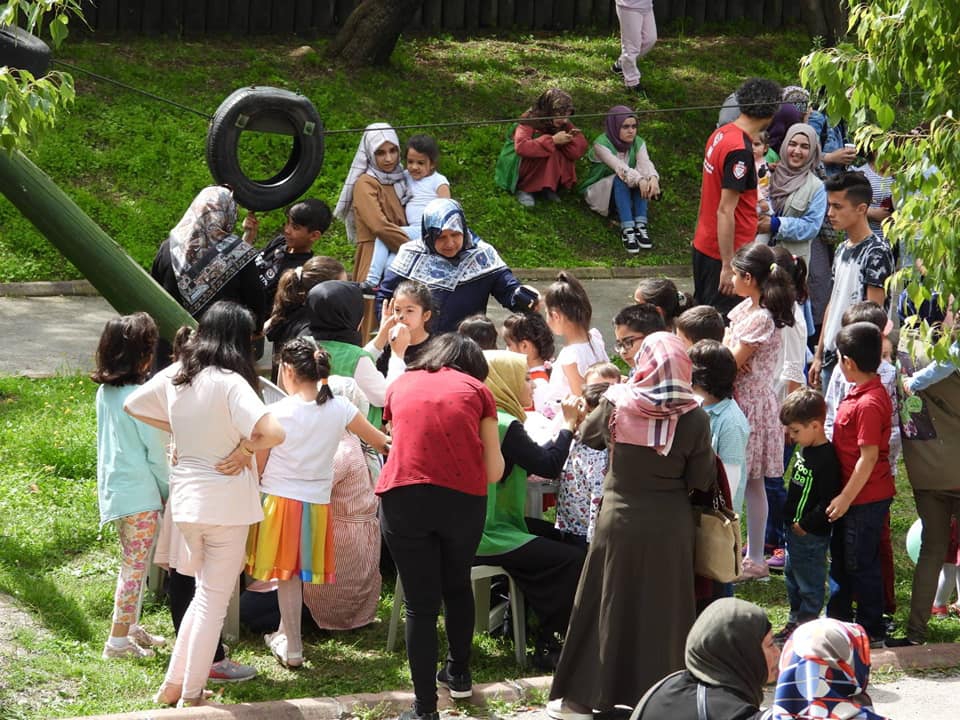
624 344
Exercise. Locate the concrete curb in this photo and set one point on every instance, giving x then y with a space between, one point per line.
84 288
943 655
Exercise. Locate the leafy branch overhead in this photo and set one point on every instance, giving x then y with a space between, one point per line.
897 79
29 105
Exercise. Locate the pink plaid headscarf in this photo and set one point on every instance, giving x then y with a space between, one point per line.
648 406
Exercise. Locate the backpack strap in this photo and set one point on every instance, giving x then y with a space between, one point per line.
702 702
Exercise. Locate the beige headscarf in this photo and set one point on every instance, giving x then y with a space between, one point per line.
506 378
785 180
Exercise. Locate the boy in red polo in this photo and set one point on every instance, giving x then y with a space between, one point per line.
861 438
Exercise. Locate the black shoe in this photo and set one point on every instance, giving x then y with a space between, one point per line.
628 236
368 288
901 642
638 89
412 714
890 624
460 686
643 238
546 655
878 642
616 69
781 637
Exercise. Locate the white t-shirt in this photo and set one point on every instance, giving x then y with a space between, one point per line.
301 467
793 353
208 418
422 191
583 355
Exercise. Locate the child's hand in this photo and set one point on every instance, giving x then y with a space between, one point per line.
399 340
571 407
387 321
251 225
837 508
798 531
235 462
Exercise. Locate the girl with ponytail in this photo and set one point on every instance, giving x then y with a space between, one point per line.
294 542
754 337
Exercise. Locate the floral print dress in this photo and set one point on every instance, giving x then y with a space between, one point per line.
753 388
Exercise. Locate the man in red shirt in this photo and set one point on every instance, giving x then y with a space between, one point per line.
728 194
861 439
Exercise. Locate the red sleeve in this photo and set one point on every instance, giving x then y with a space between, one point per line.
488 406
870 423
529 147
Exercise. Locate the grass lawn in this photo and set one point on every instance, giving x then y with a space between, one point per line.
60 568
134 165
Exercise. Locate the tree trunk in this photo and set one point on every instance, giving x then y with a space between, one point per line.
825 18
371 32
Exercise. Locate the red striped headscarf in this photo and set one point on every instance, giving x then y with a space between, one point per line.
648 406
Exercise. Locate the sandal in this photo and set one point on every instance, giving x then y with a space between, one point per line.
277 642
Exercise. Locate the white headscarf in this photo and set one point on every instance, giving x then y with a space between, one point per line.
365 163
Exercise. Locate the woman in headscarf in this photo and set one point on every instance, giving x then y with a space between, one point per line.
797 197
373 195
532 551
637 582
335 309
541 153
730 653
203 261
622 179
824 671
461 270
794 109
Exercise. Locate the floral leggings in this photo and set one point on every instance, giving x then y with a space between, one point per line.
137 533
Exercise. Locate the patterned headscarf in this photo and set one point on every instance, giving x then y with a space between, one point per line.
365 163
552 103
204 252
658 393
507 376
616 117
824 671
419 259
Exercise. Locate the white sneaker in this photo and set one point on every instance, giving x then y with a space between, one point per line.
558 711
145 639
130 650
525 199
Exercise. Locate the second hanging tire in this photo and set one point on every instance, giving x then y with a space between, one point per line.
266 109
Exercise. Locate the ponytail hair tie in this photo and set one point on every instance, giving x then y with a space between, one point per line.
773 266
681 298
298 271
316 354
323 381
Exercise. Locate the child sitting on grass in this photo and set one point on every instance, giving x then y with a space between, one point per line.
132 482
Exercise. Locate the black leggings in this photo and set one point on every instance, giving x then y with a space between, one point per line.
180 590
433 533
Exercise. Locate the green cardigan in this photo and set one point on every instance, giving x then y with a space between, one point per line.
343 361
598 168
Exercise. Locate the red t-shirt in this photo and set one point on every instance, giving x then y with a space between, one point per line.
727 164
863 418
435 420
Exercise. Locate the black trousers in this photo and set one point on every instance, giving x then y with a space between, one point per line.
547 569
433 533
706 284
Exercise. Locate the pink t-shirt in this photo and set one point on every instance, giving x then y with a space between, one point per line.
208 417
435 420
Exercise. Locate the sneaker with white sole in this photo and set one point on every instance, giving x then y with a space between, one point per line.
558 711
628 236
643 237
145 639
130 650
229 671
460 686
526 199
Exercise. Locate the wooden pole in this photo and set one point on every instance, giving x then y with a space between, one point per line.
118 277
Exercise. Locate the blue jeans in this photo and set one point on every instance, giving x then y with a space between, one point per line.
806 574
382 257
855 567
630 206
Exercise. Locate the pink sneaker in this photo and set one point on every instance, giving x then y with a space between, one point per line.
753 571
940 611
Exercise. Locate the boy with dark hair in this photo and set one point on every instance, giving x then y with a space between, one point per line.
814 480
861 265
728 194
701 322
714 370
631 325
861 438
481 330
307 221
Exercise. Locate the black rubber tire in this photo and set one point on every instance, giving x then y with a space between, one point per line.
23 51
273 109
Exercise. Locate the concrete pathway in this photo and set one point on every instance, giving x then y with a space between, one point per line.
44 336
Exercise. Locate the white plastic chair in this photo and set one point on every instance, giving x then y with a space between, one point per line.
480 576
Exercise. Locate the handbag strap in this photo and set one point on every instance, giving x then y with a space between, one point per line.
702 702
638 710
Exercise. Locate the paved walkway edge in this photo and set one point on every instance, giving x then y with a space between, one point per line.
534 690
83 287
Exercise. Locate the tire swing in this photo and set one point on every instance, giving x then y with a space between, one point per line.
266 109
23 51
